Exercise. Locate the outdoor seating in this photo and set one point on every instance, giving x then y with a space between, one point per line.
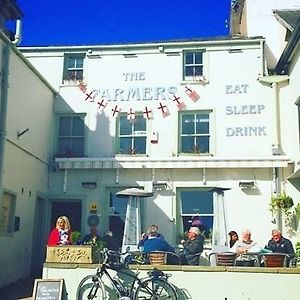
275 260
223 258
163 258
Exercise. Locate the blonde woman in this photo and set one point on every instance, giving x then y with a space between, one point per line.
61 234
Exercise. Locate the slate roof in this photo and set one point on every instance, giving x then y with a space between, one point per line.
287 17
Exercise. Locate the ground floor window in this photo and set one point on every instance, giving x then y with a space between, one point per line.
7 213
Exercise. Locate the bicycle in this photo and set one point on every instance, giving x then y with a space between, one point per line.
153 287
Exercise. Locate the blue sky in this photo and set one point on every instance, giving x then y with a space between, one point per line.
62 22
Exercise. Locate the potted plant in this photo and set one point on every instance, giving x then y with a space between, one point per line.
281 202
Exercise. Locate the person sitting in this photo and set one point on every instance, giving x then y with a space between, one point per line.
92 237
192 247
110 241
145 236
233 238
61 233
242 247
155 243
280 244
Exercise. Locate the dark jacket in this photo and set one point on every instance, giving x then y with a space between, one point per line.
283 246
192 247
157 244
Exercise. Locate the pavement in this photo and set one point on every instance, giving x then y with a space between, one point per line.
17 291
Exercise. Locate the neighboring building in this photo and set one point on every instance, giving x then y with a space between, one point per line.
26 116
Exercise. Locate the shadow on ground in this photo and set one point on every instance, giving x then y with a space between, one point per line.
19 290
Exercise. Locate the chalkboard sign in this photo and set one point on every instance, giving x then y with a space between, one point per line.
47 289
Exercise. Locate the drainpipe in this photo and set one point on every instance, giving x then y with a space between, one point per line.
277 139
18 36
3 108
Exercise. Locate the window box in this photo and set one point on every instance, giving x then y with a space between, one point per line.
79 254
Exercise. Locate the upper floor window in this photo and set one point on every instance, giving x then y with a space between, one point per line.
194 132
71 136
7 213
131 135
73 67
193 64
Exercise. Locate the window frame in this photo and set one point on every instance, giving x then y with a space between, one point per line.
181 215
58 136
132 135
66 77
196 135
7 228
193 65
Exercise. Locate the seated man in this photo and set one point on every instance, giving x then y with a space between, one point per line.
92 237
155 243
279 244
192 247
146 235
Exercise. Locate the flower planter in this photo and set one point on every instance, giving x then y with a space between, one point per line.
80 254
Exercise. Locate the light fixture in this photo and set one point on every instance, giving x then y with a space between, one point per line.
160 186
247 185
89 184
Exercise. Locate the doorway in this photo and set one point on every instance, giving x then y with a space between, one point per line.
70 208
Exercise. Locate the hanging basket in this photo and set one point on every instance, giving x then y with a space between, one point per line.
281 202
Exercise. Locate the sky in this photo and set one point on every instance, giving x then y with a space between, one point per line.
92 22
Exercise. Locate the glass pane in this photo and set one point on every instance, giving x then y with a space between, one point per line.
189 58
189 71
64 146
64 126
78 74
78 127
79 62
71 62
77 146
202 124
198 58
125 145
187 144
120 205
203 144
140 145
187 124
197 202
125 126
206 226
198 70
140 124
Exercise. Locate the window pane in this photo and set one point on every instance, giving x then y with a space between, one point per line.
188 124
125 145
198 70
71 62
189 58
78 126
187 144
64 126
203 144
189 71
140 124
194 202
202 124
206 227
140 145
7 213
198 58
125 126
64 145
77 146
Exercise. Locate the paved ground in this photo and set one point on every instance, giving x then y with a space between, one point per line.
19 290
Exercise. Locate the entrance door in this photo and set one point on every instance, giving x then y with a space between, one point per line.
69 208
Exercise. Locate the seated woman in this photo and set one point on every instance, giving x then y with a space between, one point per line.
192 247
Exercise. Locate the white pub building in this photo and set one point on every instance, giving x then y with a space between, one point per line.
160 132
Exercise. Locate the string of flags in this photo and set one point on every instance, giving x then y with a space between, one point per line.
102 104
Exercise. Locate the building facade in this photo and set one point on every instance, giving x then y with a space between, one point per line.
192 121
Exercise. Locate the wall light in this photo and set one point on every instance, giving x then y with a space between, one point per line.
247 184
160 186
89 185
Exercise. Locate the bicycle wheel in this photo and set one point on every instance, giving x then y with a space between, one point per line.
154 289
89 289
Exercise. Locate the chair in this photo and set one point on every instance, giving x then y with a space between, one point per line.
223 258
163 258
275 260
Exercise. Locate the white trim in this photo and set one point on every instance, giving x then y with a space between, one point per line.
171 163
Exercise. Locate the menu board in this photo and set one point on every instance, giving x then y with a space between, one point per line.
47 289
